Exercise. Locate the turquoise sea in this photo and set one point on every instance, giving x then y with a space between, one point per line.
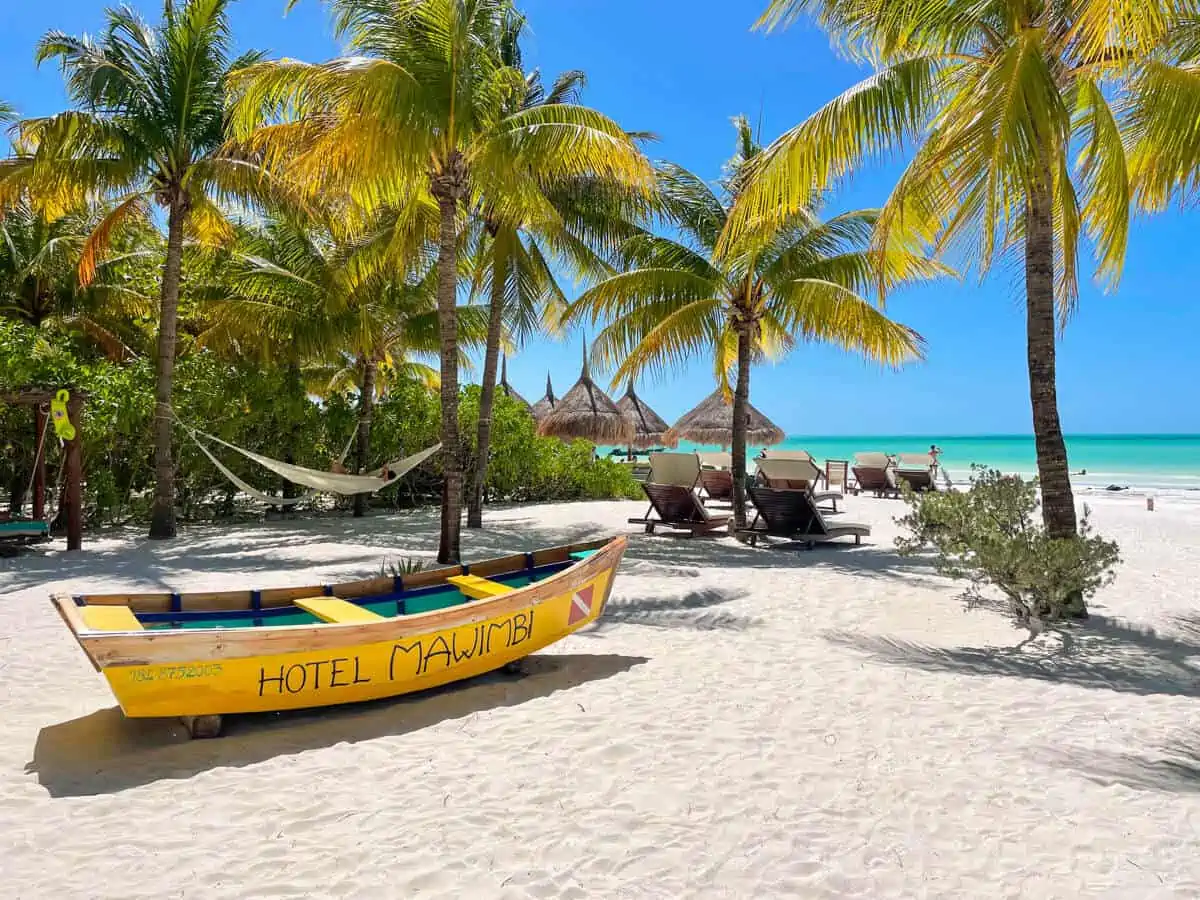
1162 461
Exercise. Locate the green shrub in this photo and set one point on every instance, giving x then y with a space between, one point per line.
527 468
268 410
992 535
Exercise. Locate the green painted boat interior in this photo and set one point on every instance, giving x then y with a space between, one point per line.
442 597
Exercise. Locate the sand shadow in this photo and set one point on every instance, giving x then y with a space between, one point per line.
277 549
1174 768
1102 653
692 611
868 560
104 752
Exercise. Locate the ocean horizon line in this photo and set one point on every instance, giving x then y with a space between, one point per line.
1098 435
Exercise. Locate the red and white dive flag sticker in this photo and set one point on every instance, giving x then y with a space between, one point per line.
581 605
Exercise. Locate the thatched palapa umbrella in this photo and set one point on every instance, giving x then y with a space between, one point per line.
507 388
649 428
712 423
546 405
587 412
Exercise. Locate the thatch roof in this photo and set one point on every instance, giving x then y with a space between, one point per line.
587 412
649 428
712 423
546 405
507 388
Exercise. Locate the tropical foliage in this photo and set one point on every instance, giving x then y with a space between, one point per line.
1021 113
302 257
429 115
148 127
796 279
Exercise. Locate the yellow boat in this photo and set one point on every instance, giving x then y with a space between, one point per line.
203 655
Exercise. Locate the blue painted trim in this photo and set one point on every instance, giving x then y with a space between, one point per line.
327 590
466 570
397 584
256 600
529 561
264 614
79 601
176 603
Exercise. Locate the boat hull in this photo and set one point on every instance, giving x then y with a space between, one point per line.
218 672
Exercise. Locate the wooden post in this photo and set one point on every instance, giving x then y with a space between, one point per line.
74 476
40 440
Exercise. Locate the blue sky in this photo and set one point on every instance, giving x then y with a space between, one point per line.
682 68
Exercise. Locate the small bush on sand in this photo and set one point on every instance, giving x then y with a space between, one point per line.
993 535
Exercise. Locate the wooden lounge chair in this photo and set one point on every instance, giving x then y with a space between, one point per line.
793 516
679 508
916 470
796 475
874 472
717 484
837 472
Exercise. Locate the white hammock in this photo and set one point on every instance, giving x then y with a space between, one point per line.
328 482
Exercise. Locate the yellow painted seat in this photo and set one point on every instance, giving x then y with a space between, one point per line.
336 610
110 618
478 588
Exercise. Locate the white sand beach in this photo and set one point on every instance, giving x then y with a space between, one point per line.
742 723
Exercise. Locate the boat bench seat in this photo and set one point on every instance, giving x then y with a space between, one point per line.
336 610
478 588
110 618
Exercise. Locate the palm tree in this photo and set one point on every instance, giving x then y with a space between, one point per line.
571 223
425 114
39 283
798 279
149 127
997 98
324 302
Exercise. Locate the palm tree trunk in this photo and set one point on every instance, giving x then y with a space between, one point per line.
366 404
1058 503
741 398
295 389
487 393
162 519
1054 474
448 187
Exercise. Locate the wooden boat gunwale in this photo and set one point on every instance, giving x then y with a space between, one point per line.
158 646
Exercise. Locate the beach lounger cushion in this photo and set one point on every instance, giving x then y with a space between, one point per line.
681 469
